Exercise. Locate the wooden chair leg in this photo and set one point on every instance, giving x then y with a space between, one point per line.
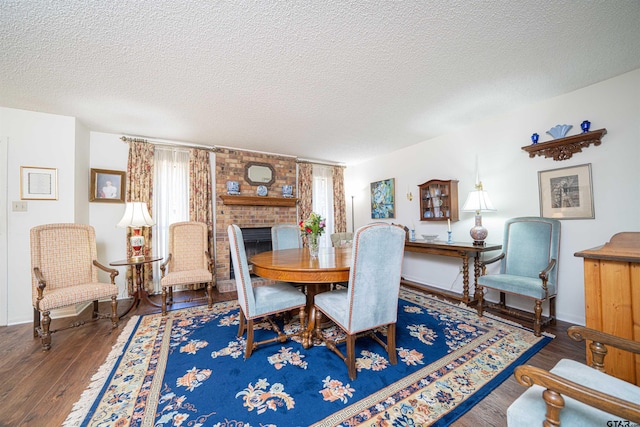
552 309
249 348
391 344
170 295
210 294
537 322
303 318
46 335
241 325
36 323
351 356
114 311
480 300
94 315
164 301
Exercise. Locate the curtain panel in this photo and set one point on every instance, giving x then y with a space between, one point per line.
339 202
140 189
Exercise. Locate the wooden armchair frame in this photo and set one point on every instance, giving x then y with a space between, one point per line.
557 386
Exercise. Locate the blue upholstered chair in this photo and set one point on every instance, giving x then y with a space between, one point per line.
574 394
371 299
529 266
262 301
285 236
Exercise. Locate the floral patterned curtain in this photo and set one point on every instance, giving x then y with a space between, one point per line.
305 190
140 189
339 202
200 199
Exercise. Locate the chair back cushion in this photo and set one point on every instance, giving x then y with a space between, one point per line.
530 243
374 278
64 253
285 236
340 240
246 297
188 244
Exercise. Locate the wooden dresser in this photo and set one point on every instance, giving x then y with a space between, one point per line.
612 298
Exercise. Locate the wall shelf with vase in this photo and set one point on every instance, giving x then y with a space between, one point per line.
439 200
564 148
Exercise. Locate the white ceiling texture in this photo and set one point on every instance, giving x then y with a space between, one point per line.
328 80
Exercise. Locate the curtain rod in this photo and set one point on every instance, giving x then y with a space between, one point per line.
319 162
167 143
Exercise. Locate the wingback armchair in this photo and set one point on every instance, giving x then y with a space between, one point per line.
528 267
188 262
339 240
65 272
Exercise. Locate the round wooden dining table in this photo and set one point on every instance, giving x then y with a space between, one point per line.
296 266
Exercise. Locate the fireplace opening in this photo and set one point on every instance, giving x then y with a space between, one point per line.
256 240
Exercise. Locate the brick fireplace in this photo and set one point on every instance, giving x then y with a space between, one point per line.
230 165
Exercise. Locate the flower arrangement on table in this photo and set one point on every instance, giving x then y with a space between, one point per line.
313 227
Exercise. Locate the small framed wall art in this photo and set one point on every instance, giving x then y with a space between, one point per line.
566 193
38 183
383 199
107 186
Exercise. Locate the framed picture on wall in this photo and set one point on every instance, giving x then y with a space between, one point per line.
383 200
566 193
38 183
107 186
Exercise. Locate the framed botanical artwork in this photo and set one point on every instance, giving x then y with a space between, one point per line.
383 200
566 193
107 186
38 183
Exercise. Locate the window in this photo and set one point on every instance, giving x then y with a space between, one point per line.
170 197
323 199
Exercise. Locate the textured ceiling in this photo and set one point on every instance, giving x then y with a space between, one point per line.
326 80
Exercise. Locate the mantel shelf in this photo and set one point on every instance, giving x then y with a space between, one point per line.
258 200
564 148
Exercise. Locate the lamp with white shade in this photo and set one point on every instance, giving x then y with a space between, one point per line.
478 201
136 215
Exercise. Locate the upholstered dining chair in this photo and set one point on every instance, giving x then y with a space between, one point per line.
65 272
574 394
370 300
528 267
285 236
261 301
340 240
188 262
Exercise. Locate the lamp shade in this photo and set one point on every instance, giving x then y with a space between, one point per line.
136 214
478 201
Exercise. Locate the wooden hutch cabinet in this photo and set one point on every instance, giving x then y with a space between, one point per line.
612 299
439 200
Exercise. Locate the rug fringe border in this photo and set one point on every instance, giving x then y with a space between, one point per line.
81 408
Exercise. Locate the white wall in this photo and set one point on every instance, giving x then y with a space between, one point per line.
108 152
511 178
41 140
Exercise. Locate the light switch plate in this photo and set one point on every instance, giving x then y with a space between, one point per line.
19 206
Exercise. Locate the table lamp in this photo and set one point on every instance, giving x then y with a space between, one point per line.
478 201
136 215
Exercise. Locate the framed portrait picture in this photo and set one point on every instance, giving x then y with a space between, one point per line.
383 200
566 193
107 186
38 183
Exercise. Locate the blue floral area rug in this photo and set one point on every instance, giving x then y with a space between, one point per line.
187 369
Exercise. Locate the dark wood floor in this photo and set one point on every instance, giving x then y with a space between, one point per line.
39 388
